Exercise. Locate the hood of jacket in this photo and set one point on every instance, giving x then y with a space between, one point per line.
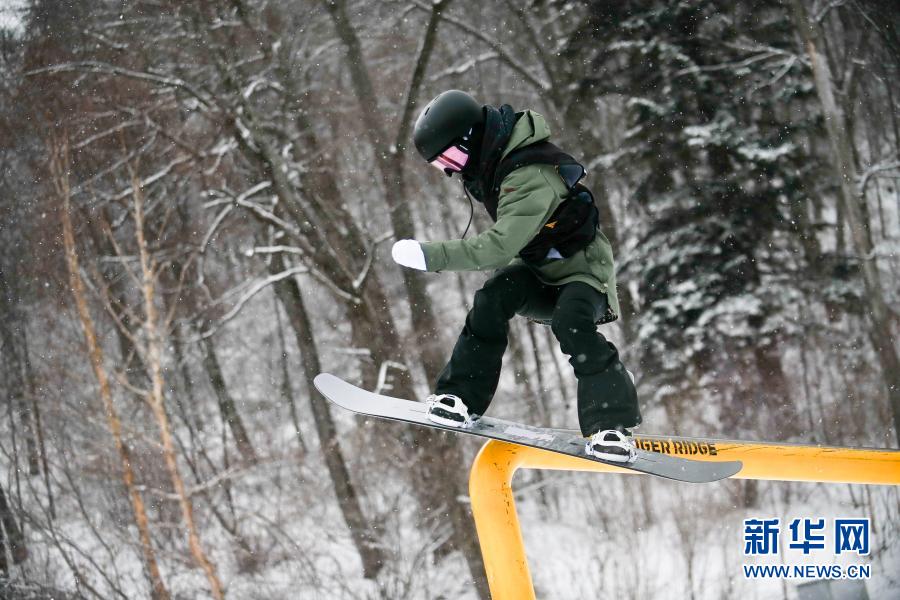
531 127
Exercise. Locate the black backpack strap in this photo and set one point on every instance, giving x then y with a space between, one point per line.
544 153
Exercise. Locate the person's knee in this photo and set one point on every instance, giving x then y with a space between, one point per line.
571 321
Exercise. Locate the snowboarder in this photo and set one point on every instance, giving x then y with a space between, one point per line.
552 263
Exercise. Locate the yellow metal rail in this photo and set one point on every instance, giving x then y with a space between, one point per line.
494 509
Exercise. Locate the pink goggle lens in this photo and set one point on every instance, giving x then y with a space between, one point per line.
453 158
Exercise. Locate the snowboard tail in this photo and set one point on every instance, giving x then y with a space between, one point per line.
659 463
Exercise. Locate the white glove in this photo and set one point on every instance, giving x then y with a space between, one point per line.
409 254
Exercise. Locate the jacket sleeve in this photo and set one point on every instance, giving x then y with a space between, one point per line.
526 202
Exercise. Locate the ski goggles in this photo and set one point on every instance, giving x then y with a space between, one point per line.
453 158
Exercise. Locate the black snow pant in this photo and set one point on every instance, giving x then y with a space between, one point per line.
606 396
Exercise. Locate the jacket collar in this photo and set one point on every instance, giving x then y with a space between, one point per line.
498 128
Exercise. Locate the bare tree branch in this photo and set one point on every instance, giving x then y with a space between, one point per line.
518 67
92 66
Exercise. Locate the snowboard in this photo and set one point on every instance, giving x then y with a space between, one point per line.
563 441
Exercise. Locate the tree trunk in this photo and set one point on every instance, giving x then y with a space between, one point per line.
10 338
227 406
534 398
13 537
783 422
372 327
285 387
364 538
842 156
115 285
390 165
159 591
429 345
38 426
154 358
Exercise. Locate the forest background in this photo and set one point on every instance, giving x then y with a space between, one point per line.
197 201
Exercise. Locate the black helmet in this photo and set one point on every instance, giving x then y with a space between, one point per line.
445 120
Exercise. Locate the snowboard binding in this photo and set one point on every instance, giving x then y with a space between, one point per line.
448 410
611 445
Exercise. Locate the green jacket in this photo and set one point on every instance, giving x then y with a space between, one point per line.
528 197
